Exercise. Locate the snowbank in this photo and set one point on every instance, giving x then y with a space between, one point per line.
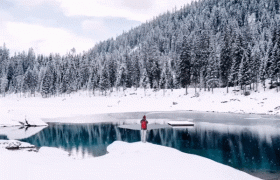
83 103
18 118
124 161
14 144
18 132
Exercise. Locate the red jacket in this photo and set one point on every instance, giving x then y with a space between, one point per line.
144 123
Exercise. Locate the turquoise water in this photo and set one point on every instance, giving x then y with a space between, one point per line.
249 144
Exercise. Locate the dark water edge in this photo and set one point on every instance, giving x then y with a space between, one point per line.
242 148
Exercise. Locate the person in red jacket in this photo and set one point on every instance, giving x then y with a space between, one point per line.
144 123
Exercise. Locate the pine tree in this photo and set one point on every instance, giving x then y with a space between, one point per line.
185 64
127 70
136 71
121 77
93 82
225 58
4 57
237 55
255 65
144 82
152 64
10 74
246 69
170 75
84 72
3 85
112 70
212 68
29 82
164 81
275 64
104 83
155 72
46 84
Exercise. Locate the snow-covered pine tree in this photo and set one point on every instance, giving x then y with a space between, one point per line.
104 82
237 55
212 67
3 85
247 69
112 70
35 84
144 81
226 58
185 64
46 83
121 77
196 58
170 75
84 72
135 70
4 57
10 74
275 64
29 83
28 60
127 70
164 81
152 64
240 73
93 82
255 65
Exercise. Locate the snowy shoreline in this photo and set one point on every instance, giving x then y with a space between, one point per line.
84 103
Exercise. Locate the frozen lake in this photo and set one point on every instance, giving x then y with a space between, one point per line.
250 143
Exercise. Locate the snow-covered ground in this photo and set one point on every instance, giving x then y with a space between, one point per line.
131 100
19 118
124 161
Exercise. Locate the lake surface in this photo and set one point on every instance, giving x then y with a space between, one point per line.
250 143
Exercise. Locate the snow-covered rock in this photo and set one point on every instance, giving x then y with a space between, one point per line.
14 144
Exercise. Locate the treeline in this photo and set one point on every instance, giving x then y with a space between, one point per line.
209 43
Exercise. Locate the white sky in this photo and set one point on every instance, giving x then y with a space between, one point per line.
56 26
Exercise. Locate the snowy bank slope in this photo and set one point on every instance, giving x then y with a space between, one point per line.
130 100
124 161
18 118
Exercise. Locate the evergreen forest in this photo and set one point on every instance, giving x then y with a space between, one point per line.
206 44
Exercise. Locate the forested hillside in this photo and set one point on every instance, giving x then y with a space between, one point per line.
209 43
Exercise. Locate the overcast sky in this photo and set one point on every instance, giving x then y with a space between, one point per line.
56 26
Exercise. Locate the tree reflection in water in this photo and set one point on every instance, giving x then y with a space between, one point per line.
91 139
241 148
